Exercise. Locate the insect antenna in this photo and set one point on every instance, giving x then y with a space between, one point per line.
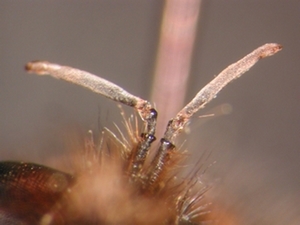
111 91
204 96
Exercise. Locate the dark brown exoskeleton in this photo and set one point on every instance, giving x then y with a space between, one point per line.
117 186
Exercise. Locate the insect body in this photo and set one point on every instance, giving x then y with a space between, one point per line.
120 183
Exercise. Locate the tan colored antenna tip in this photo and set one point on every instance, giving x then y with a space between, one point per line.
270 49
40 67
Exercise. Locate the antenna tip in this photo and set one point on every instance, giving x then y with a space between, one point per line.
38 67
270 49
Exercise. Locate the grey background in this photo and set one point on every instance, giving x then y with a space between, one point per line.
256 146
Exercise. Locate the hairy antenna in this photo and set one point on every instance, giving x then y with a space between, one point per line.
206 94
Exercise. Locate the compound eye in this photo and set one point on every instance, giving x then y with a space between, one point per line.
28 191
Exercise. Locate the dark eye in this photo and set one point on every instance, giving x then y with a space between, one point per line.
28 191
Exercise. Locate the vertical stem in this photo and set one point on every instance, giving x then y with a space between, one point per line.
177 37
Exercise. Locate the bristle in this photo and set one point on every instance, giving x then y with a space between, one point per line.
105 192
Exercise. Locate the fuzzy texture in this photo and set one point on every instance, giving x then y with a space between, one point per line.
102 190
106 193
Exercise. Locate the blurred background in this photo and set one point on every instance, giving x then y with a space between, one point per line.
256 147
